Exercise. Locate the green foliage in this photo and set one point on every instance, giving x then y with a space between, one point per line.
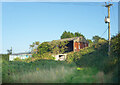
47 56
5 57
115 45
96 39
66 35
75 56
44 48
17 59
97 56
93 65
102 41
92 57
115 55
34 55
9 51
54 47
13 72
37 43
90 42
70 34
29 59
43 56
34 46
47 71
58 46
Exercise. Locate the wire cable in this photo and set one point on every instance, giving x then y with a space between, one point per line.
103 32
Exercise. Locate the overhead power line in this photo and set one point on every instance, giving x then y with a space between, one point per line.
103 32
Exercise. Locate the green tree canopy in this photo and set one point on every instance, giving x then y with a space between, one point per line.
43 48
115 45
90 41
77 34
9 51
54 47
34 46
70 34
96 39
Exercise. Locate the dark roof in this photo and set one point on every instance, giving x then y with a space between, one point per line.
74 38
68 39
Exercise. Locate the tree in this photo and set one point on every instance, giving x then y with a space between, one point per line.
58 46
44 48
70 34
96 39
37 43
54 47
90 42
62 46
115 45
34 46
67 35
77 34
9 51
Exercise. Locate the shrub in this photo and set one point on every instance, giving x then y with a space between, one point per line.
115 45
17 59
29 59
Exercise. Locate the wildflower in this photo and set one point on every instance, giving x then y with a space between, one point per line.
37 69
79 68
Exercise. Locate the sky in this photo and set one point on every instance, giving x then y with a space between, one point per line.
26 22
58 0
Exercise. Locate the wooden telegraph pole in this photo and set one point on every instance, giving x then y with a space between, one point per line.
107 20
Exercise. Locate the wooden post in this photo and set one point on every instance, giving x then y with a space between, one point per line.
108 6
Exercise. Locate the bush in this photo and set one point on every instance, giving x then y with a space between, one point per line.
115 45
17 59
29 59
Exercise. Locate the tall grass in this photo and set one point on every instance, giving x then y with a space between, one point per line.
55 75
48 71
37 71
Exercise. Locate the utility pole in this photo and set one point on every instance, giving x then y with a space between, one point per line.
107 20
